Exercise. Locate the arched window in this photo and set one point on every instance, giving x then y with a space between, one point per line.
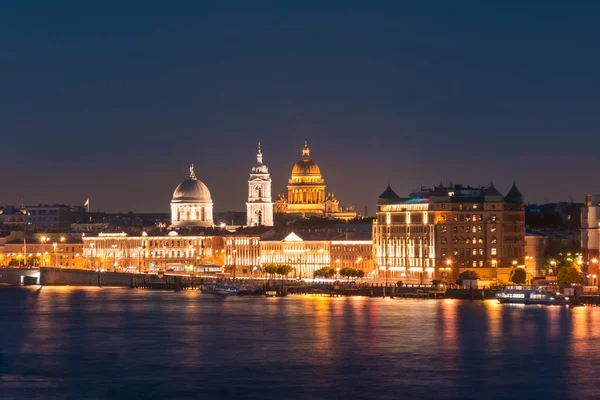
259 217
178 215
258 191
187 215
203 214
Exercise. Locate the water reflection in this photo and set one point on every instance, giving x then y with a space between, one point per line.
107 343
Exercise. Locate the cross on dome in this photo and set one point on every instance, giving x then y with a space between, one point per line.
305 150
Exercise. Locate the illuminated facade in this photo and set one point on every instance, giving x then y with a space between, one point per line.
259 208
242 255
357 254
590 235
46 252
192 204
151 252
306 192
304 256
438 233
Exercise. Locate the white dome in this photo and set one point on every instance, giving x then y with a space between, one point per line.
191 191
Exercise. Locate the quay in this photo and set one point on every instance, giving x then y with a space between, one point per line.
47 276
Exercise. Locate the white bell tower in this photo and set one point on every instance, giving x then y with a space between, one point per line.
259 207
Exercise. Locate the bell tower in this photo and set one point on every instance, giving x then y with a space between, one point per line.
259 207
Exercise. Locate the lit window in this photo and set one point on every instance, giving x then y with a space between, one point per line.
494 239
494 251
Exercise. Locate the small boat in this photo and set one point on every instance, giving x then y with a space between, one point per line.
226 290
521 294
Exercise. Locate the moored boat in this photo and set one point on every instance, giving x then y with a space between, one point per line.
521 294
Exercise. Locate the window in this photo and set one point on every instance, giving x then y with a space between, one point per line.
494 239
462 252
444 252
474 240
494 218
455 229
493 228
455 251
462 218
455 240
481 252
444 240
494 251
480 241
444 228
455 218
473 229
468 218
474 253
474 263
480 217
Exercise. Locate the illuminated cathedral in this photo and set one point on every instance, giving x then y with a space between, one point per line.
306 192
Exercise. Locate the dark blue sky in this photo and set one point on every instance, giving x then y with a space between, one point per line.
113 101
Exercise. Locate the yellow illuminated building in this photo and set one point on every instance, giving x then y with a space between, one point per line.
306 192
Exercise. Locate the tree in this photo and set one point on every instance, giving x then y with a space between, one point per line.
360 274
325 272
468 275
270 269
568 275
518 276
284 270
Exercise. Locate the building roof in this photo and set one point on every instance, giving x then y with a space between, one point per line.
514 195
306 166
388 196
191 191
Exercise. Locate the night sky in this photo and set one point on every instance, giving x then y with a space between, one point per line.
113 101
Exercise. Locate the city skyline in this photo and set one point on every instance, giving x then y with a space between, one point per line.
114 103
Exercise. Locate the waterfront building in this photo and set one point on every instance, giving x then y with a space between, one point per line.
259 208
242 254
192 205
306 192
304 252
174 250
439 233
39 250
353 251
535 247
590 234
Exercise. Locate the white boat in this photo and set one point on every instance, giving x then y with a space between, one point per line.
521 294
226 290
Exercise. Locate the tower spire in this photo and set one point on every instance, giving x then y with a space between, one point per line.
259 158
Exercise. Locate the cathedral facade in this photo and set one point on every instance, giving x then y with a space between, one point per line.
306 192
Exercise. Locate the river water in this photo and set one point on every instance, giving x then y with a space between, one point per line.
102 343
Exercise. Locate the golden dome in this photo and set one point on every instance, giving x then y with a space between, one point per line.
306 166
